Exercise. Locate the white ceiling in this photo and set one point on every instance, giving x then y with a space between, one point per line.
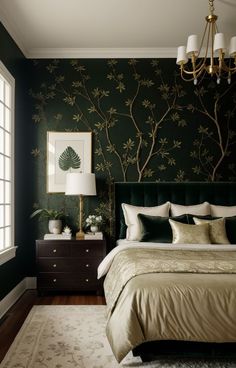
109 28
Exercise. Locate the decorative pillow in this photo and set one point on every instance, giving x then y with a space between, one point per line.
198 209
190 234
222 211
133 231
217 230
157 229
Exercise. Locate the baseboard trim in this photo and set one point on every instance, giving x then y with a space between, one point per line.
15 294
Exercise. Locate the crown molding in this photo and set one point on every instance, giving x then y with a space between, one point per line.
84 53
101 53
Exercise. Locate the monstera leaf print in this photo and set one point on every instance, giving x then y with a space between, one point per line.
69 159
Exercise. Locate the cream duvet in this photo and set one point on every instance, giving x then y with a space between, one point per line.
169 292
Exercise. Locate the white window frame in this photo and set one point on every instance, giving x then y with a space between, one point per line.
9 252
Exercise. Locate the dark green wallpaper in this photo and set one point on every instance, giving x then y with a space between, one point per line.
147 124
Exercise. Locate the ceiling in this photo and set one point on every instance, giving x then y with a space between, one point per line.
109 28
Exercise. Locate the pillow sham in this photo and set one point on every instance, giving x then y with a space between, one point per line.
133 231
190 234
217 230
222 211
197 209
157 229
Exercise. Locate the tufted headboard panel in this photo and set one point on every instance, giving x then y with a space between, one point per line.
186 193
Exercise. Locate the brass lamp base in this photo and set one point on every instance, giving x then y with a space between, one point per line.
80 235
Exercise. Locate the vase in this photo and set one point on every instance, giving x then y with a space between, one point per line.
94 228
55 226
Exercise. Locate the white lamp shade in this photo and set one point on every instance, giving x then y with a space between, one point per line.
181 55
192 45
219 42
80 183
232 46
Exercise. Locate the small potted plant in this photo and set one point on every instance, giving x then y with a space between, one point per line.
55 218
94 222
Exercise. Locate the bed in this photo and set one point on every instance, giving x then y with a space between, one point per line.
162 295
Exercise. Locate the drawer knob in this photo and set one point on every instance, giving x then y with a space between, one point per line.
54 265
54 250
54 280
87 265
86 250
87 280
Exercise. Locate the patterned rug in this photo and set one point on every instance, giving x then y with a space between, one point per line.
74 337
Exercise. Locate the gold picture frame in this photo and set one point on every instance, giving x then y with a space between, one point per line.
63 150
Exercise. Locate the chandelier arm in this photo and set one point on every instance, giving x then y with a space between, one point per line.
182 75
212 42
226 68
196 70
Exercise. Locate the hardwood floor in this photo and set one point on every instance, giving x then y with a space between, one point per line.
14 318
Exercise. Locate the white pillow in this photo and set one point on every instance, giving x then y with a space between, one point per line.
222 211
132 222
201 209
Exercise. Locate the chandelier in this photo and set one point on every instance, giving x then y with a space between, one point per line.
213 60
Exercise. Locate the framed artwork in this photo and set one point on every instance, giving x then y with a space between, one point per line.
67 152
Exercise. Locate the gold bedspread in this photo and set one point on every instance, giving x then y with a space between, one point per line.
170 295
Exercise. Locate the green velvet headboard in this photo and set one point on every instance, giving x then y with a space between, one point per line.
187 193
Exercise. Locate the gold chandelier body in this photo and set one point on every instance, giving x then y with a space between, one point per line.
209 63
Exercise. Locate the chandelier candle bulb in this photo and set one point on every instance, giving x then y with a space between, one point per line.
192 45
181 57
219 42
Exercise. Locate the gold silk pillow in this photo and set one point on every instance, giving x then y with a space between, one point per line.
189 234
217 230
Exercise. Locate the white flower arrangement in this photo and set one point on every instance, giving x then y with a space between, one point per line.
93 220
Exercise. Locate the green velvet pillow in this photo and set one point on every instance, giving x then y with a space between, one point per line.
157 229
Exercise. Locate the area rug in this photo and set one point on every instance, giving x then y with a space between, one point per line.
74 337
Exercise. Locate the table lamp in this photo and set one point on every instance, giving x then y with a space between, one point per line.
81 184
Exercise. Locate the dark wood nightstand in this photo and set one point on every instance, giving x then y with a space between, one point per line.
67 265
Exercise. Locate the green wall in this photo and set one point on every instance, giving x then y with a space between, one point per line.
147 125
12 272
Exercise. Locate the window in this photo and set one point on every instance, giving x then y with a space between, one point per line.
7 92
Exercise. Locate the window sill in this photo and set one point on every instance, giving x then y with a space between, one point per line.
7 254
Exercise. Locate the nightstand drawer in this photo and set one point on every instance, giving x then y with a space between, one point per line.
53 250
88 248
67 282
75 265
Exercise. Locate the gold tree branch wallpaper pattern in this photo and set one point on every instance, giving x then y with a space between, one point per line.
147 123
